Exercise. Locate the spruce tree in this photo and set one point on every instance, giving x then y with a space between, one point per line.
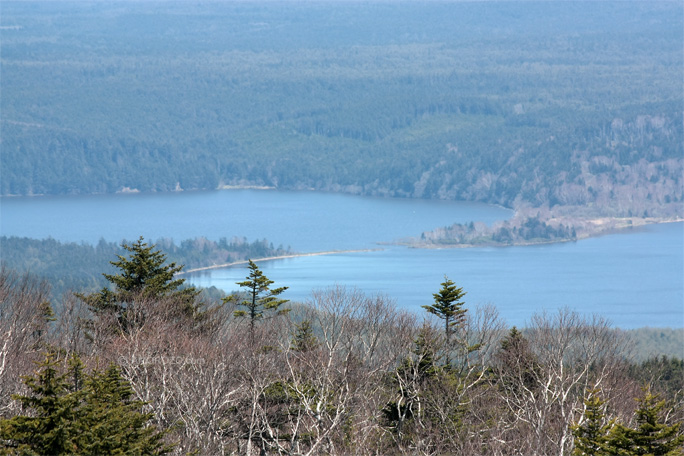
144 272
425 354
304 339
42 323
518 364
79 414
144 275
448 307
260 297
410 378
51 428
111 420
591 437
651 437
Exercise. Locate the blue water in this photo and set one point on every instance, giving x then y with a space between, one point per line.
306 221
633 278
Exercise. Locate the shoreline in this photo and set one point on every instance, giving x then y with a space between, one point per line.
601 226
419 245
587 225
271 258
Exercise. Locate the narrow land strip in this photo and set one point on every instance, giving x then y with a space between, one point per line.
279 257
591 228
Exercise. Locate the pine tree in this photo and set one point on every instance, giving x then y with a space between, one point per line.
260 297
651 437
143 275
448 308
591 437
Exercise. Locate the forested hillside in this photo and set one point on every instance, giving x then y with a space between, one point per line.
548 103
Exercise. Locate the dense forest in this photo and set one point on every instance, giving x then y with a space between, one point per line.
574 104
146 365
54 261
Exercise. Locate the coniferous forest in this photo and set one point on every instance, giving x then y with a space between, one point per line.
542 104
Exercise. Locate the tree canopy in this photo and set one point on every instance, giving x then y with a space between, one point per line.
449 308
261 298
143 276
651 436
348 373
93 414
580 107
591 436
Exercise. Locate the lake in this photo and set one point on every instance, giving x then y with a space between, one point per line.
634 278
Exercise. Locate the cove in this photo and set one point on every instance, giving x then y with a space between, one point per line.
634 278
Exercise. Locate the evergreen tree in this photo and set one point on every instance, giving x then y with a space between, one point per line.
519 366
143 275
591 436
426 358
304 339
514 341
665 372
76 374
42 323
144 272
111 420
91 415
448 308
410 379
651 437
260 297
50 430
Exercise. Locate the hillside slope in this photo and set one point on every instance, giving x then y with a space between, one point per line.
519 104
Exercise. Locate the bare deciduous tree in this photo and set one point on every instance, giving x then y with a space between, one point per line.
336 389
24 318
543 385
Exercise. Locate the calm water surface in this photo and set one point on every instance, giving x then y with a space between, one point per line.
306 221
634 278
